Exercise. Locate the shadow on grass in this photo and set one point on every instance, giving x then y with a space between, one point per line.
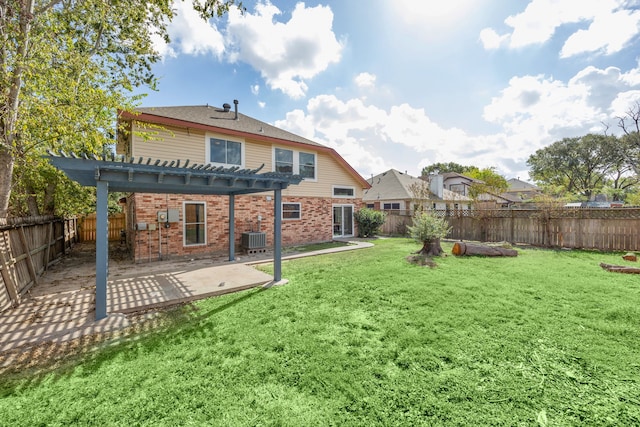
28 366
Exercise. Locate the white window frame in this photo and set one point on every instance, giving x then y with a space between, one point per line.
353 220
343 187
299 211
391 208
184 223
296 161
225 138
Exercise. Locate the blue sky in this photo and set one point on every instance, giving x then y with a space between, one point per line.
406 83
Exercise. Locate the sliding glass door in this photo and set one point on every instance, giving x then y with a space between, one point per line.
342 220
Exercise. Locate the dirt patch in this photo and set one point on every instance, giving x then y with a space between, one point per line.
421 260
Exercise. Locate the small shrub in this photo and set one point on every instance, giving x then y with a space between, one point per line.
428 229
369 221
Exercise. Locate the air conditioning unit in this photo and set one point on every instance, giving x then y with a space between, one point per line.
254 240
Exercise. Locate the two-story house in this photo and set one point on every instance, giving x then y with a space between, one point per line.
396 192
319 209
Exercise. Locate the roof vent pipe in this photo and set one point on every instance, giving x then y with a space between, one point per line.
235 102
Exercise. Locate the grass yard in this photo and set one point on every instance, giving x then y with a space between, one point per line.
363 338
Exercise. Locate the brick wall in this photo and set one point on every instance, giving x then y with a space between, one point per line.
315 225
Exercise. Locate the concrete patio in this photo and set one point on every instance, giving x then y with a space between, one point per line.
62 306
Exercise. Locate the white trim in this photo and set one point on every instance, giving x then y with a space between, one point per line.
207 149
299 211
184 222
353 222
296 161
347 187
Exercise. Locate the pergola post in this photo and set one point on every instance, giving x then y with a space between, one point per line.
277 235
232 227
102 248
129 175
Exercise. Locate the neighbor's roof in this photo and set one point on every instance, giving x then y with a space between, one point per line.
516 184
395 185
449 175
215 119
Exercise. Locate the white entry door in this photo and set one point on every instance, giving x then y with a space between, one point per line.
342 220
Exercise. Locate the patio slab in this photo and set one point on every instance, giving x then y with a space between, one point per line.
61 308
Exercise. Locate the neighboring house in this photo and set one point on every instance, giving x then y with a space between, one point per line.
461 184
458 183
318 209
521 191
392 191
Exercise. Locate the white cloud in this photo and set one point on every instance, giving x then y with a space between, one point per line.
190 34
286 54
262 104
255 89
541 19
600 37
365 80
535 110
492 40
366 134
532 112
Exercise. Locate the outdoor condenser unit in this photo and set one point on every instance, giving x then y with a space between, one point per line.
254 240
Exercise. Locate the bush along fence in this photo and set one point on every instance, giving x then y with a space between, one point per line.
605 229
28 246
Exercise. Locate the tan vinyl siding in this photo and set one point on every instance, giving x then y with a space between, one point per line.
256 154
329 173
173 144
182 144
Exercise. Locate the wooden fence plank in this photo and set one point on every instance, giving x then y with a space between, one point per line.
27 254
602 229
27 247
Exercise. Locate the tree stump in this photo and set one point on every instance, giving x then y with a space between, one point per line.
630 256
462 248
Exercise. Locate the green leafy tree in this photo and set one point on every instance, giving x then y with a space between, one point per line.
492 182
443 168
578 165
369 221
66 67
428 229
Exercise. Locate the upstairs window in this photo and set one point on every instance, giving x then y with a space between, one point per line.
284 161
391 206
225 152
307 165
295 162
342 191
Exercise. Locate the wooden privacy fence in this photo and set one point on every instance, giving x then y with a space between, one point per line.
87 227
605 229
28 246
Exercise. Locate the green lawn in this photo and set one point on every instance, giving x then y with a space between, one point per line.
363 338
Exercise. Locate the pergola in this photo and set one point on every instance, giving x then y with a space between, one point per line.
117 173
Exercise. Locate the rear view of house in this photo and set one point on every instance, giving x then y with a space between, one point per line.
319 209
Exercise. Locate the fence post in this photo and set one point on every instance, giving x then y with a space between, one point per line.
512 238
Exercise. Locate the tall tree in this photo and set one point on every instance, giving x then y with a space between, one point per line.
443 168
630 125
491 182
578 165
66 66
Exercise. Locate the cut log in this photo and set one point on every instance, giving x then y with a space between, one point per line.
630 256
462 248
620 268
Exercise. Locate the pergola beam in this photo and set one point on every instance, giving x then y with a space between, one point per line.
130 175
